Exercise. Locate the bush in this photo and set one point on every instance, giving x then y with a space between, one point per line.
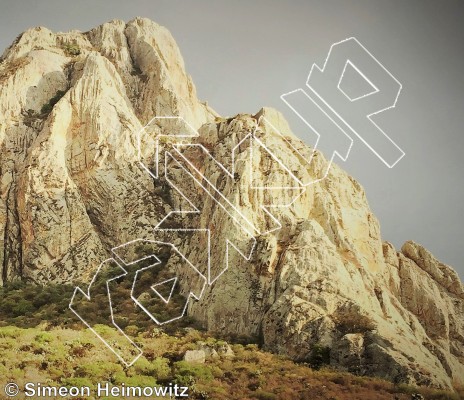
71 49
158 368
263 395
319 356
26 305
352 321
43 337
186 373
139 381
99 371
23 307
9 332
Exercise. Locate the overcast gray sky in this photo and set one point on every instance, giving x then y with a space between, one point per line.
245 54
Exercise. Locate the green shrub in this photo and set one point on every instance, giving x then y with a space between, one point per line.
71 49
319 356
139 380
99 371
185 373
158 368
23 307
43 337
27 305
9 332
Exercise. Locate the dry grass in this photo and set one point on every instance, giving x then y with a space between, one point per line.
10 67
76 357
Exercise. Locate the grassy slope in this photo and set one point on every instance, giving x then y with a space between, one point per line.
41 341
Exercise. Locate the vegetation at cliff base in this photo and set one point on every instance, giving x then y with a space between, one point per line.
41 340
69 357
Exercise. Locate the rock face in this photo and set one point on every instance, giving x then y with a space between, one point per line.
62 171
195 356
317 273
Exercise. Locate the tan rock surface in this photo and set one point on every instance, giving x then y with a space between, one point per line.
71 188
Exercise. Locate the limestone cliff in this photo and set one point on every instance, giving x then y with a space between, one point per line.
71 188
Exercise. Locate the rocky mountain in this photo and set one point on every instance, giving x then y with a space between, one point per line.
298 267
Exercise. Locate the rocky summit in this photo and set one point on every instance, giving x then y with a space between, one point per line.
302 269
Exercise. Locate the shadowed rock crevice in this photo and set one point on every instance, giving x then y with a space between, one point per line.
321 288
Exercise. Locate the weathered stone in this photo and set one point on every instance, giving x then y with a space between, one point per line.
210 351
195 356
71 188
225 350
